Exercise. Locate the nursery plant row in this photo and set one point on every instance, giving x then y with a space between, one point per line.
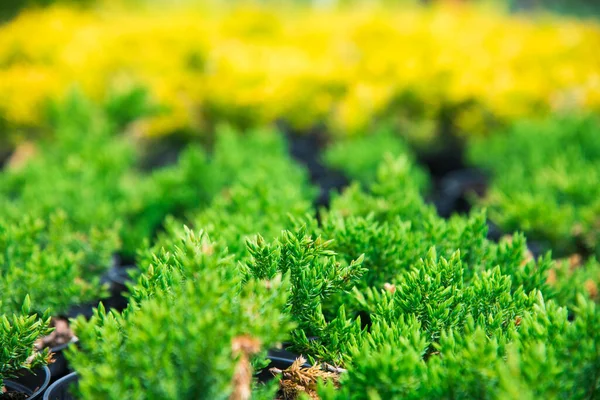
345 67
265 265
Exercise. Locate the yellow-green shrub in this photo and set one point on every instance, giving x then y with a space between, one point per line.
342 66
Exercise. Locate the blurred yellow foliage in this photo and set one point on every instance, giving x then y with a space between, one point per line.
344 67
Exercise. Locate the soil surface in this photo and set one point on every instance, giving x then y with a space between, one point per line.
13 396
5 395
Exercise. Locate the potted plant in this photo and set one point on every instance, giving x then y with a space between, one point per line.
23 371
316 276
218 325
62 268
544 181
61 212
245 205
543 355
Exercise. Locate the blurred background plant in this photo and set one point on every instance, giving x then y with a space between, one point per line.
546 175
10 8
428 72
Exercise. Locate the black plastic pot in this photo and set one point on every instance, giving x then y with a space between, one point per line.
115 277
160 153
4 157
60 366
30 383
280 359
60 390
307 148
454 188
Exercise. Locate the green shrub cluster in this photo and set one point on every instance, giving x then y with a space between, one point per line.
80 169
544 355
197 284
466 318
18 333
222 324
316 276
244 207
59 213
412 305
259 189
359 156
234 260
545 181
53 263
439 271
81 198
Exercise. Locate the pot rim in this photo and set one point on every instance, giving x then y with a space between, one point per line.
63 346
36 393
58 383
120 274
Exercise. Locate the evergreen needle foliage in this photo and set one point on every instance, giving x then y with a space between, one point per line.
80 170
545 356
315 277
191 337
173 191
359 156
60 212
411 305
568 278
260 190
51 262
545 181
453 315
18 333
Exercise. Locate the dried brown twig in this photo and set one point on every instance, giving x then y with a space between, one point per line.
298 379
244 347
